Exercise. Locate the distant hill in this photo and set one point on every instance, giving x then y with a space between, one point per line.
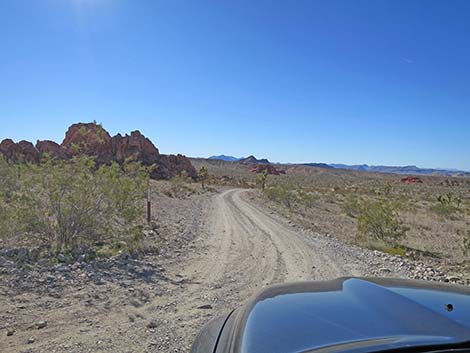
246 160
254 160
223 157
410 169
318 165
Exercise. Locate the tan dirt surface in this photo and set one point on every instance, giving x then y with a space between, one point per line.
231 248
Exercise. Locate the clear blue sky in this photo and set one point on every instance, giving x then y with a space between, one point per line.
378 82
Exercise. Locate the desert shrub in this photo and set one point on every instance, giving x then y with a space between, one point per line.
378 220
71 202
308 199
281 193
351 205
8 178
387 248
395 250
8 185
447 205
202 175
261 179
466 243
179 185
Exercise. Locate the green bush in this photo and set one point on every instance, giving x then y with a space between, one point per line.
282 194
261 179
396 250
67 203
202 175
378 220
447 205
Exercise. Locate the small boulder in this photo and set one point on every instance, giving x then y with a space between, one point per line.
152 324
205 306
41 324
22 255
61 258
452 279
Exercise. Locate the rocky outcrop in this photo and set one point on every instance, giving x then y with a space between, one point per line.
171 165
51 148
91 139
270 169
135 146
6 148
253 160
411 180
23 151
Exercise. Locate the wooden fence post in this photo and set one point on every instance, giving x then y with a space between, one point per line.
149 205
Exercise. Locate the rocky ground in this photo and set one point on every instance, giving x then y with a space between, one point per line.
215 250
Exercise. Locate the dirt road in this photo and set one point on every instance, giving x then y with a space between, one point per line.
222 248
245 248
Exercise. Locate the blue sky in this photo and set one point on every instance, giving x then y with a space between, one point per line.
378 82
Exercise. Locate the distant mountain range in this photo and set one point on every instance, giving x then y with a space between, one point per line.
223 157
246 160
410 169
319 165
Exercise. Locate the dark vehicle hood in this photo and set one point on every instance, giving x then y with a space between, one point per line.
349 315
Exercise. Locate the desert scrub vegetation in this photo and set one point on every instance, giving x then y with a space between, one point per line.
351 205
376 216
466 243
180 186
329 201
282 194
448 205
71 203
202 175
374 210
261 179
378 220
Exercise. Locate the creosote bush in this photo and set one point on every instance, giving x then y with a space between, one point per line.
378 220
281 193
67 203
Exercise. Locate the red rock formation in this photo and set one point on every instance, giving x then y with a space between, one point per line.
411 180
169 166
23 151
135 146
51 148
6 148
92 140
270 169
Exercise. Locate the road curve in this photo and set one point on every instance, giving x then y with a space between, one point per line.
244 248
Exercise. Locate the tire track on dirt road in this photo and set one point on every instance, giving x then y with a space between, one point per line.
243 249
